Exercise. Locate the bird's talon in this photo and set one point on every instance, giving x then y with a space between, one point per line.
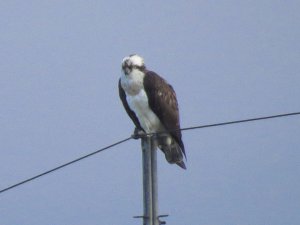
137 134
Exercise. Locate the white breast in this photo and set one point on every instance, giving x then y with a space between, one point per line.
139 104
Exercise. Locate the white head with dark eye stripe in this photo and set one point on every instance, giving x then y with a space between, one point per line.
133 62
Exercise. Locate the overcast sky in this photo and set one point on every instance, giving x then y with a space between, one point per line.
227 60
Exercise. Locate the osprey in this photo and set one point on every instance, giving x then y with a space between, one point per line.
151 104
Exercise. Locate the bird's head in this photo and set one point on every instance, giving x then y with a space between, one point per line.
133 62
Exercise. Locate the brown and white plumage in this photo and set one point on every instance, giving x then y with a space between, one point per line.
151 104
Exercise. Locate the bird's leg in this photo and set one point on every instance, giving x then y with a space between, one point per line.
138 133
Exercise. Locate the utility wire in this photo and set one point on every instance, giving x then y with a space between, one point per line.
221 124
241 121
64 165
134 137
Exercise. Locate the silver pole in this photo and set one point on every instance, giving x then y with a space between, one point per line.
154 182
147 181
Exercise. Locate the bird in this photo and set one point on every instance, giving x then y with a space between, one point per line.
151 103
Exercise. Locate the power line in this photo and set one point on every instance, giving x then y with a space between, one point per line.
136 136
64 165
241 121
222 123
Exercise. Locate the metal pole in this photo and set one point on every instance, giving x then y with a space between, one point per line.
154 183
147 181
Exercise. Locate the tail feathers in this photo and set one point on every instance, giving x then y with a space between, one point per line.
173 152
181 164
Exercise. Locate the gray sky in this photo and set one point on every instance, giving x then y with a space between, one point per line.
227 60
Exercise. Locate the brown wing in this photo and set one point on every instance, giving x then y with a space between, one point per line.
130 113
162 100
